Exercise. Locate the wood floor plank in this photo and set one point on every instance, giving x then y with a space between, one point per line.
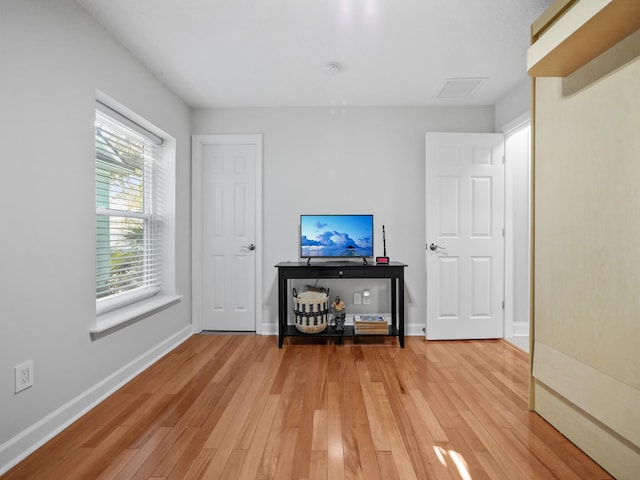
319 441
398 447
115 466
428 418
54 451
311 393
285 412
233 465
491 466
473 467
238 407
265 373
259 441
198 467
287 456
162 465
212 397
387 466
416 436
375 410
507 455
133 465
335 447
319 465
120 417
226 436
367 453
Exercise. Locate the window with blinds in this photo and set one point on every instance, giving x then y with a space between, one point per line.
128 253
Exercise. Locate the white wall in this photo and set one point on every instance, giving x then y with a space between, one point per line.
362 160
53 58
514 107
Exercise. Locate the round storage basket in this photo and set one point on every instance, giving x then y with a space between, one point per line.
310 311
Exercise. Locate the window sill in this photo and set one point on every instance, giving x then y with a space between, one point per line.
116 319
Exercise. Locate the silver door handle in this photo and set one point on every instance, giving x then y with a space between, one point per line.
434 247
249 247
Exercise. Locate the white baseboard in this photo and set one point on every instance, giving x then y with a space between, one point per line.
520 329
26 442
269 329
415 330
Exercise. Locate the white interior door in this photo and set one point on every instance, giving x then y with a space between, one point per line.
464 235
228 233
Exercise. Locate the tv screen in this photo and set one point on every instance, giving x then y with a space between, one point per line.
336 236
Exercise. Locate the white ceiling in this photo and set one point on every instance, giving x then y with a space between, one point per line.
237 53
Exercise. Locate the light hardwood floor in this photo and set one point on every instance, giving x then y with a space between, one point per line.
237 407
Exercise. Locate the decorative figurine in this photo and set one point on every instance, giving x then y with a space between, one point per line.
339 313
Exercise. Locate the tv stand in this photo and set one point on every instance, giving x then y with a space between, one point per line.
287 271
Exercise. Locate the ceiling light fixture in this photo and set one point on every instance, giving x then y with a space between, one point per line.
332 68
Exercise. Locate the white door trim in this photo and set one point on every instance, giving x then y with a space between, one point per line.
515 327
197 256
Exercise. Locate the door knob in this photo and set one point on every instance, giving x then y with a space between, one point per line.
434 247
249 247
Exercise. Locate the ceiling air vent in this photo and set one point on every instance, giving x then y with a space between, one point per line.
460 87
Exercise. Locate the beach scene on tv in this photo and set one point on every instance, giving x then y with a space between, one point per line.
336 236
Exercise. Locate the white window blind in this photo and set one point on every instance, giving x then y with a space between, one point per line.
128 250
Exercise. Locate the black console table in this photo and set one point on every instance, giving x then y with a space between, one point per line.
394 271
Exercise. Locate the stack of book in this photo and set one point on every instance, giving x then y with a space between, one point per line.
370 325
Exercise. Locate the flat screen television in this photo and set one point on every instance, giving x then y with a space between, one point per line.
336 236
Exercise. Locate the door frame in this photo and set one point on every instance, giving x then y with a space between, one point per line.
509 130
197 211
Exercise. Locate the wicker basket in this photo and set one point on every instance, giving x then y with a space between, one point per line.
311 311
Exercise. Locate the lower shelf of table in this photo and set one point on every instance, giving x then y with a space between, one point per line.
349 332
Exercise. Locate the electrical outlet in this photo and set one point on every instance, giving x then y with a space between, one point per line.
24 376
366 297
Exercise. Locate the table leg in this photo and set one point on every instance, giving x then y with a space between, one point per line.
401 310
282 307
394 303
